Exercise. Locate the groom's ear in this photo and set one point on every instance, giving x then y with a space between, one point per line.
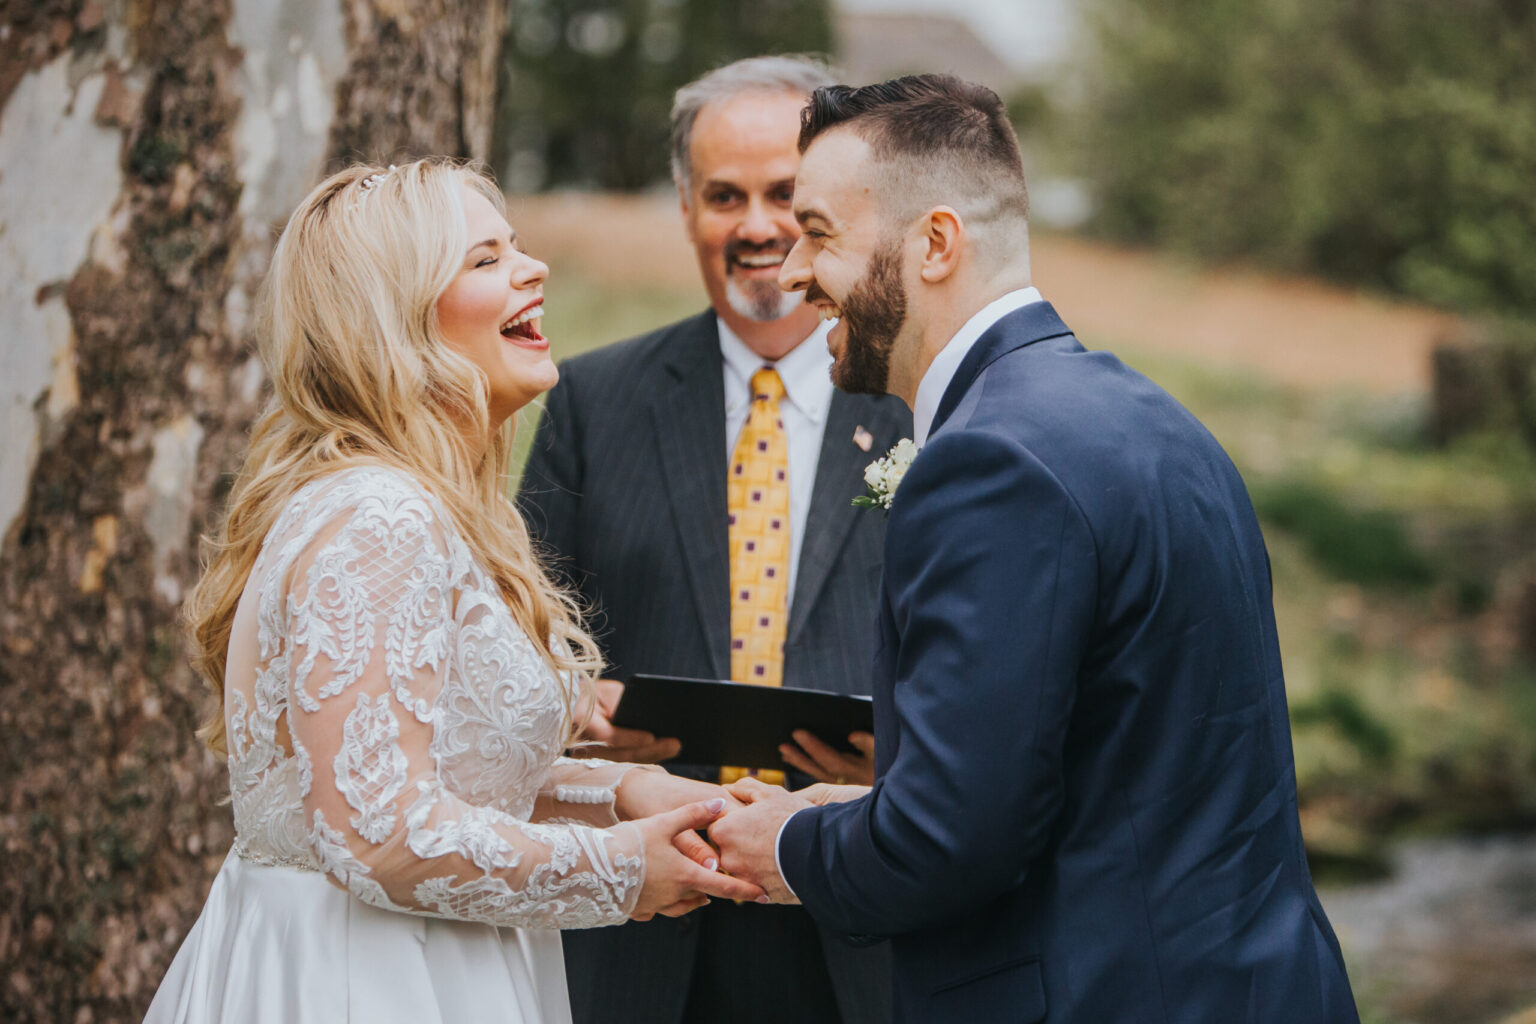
944 236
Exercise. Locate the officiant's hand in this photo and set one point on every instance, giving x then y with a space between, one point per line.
674 884
615 742
746 837
825 764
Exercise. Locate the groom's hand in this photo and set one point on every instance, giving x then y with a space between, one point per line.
674 882
747 836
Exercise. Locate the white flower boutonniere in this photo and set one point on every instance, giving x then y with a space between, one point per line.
884 475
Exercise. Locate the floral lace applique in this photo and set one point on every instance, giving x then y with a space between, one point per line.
370 767
366 604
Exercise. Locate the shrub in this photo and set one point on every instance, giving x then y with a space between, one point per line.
1366 546
1389 142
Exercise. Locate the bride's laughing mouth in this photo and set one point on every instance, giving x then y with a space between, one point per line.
522 328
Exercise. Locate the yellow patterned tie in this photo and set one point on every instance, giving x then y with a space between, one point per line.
757 490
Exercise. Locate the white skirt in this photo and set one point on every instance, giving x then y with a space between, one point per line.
275 945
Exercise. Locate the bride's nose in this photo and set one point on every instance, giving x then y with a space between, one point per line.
527 271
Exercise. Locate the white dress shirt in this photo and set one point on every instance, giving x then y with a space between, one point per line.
806 373
930 391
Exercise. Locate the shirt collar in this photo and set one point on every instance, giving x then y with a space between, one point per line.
942 370
806 369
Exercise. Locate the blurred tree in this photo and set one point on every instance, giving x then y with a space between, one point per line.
1389 142
149 150
587 84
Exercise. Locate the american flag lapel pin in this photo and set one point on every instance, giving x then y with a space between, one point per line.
863 438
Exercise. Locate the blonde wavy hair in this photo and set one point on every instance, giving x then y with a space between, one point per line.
360 373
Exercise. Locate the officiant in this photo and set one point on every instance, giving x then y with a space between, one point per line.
638 487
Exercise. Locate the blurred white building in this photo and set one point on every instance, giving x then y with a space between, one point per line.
1002 44
1010 46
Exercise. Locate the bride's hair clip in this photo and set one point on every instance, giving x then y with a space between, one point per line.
373 181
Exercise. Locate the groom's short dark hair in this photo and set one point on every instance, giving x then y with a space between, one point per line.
936 128
932 116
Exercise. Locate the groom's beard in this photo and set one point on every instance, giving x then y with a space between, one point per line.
760 301
872 315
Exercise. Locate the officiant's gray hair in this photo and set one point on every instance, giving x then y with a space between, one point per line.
801 74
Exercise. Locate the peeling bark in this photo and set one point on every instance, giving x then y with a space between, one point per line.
110 814
422 79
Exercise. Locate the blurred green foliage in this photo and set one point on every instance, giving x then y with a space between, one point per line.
1345 711
586 85
1387 142
1366 546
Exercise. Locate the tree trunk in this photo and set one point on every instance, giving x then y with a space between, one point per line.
149 149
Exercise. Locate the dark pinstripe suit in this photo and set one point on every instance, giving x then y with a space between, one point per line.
625 487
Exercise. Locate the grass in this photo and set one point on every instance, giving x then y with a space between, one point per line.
583 313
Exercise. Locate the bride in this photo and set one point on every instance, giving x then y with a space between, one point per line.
398 677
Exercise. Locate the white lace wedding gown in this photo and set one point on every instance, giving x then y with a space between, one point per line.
408 837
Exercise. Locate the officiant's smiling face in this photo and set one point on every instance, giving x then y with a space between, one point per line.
736 204
849 262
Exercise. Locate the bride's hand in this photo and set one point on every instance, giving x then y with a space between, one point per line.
675 884
642 794
823 793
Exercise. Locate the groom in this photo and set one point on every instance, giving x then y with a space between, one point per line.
1085 808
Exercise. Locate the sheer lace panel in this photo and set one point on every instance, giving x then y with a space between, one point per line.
423 729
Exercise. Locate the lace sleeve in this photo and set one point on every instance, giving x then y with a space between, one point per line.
584 789
375 623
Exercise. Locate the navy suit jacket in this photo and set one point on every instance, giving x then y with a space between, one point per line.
1086 803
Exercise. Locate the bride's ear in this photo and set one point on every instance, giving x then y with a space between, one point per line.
944 236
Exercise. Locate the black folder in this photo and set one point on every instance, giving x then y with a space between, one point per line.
720 722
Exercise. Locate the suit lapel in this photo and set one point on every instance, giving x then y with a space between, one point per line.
1024 326
688 417
839 478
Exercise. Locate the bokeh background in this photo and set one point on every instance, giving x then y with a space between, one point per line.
1312 221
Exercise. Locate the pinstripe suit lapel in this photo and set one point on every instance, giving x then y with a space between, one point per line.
839 478
688 417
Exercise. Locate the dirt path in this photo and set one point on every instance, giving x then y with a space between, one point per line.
1294 330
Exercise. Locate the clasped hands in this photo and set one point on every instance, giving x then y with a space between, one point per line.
747 835
738 862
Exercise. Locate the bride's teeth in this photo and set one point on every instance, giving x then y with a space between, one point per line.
828 313
524 317
760 261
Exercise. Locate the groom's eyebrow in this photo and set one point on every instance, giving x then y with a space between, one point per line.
808 214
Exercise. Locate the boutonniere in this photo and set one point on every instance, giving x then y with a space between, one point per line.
883 476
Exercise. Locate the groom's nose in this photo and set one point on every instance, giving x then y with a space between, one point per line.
795 271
